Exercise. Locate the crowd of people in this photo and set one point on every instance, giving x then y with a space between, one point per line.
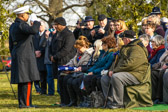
122 69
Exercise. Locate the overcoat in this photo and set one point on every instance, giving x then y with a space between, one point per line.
24 66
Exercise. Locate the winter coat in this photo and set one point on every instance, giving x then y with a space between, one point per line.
62 47
40 60
160 31
104 61
157 56
86 32
24 66
133 59
163 60
83 60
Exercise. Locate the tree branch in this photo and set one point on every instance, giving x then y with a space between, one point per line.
73 10
74 5
41 4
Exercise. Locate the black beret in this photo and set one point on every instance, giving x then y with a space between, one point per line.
128 34
60 20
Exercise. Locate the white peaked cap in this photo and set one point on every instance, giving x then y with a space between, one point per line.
33 17
21 10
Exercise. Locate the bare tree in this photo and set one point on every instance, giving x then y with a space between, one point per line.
50 9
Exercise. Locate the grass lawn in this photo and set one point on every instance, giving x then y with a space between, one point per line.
9 104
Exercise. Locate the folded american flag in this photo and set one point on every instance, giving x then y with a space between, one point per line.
66 68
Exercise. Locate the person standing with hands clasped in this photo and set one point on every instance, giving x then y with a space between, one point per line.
24 67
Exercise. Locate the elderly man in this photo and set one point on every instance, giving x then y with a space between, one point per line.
101 30
24 67
129 69
40 53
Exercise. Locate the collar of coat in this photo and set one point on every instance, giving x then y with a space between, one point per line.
19 20
135 43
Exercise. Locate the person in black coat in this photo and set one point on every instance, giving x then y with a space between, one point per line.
24 67
101 30
62 46
40 53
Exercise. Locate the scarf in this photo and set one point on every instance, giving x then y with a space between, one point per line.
118 32
154 51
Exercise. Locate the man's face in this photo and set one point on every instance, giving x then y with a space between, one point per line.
90 24
149 30
126 40
103 23
42 28
26 16
57 27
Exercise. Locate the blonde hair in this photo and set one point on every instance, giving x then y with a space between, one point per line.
122 24
154 19
98 45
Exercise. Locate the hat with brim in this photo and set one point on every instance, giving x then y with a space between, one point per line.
88 18
128 34
155 10
22 10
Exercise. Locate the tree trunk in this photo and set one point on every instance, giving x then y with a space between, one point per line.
54 6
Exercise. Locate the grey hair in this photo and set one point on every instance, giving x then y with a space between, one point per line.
159 40
145 37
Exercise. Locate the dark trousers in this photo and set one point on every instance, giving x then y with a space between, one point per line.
43 80
73 86
62 80
157 84
25 94
92 82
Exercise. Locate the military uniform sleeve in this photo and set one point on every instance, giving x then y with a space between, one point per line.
25 28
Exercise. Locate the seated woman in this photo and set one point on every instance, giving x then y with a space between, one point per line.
81 58
158 49
155 60
103 63
74 83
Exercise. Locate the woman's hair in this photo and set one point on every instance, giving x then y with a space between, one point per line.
145 37
144 21
122 24
98 47
82 41
154 19
111 32
159 40
109 41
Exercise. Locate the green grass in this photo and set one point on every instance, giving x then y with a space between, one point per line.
9 104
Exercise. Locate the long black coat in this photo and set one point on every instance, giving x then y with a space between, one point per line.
24 66
62 48
40 61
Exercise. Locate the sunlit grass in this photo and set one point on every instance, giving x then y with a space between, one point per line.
9 104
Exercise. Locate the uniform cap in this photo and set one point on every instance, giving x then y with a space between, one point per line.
22 10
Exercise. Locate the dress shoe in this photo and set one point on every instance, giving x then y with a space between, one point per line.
31 106
72 103
62 105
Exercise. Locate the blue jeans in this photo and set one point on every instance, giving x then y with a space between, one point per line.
50 80
37 86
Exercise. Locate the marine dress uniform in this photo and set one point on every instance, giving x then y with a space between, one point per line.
24 67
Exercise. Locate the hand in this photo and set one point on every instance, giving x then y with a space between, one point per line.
110 73
38 54
164 66
79 69
93 33
101 30
47 33
90 73
52 59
